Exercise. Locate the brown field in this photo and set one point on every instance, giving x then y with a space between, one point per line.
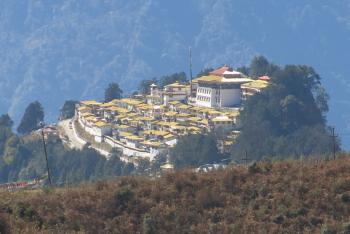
281 197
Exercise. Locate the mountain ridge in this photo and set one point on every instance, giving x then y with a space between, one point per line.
71 49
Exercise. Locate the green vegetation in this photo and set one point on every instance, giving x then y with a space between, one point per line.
205 72
33 115
6 121
68 109
22 158
282 197
195 150
113 91
162 81
288 117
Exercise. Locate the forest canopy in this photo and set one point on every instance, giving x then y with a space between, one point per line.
286 119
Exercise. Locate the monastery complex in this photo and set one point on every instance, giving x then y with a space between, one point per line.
147 125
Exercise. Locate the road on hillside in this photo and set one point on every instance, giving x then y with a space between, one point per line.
73 141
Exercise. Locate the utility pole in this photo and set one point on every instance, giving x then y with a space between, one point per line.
334 142
246 159
45 151
190 54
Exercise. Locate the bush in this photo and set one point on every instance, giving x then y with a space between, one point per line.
3 226
327 229
123 196
346 228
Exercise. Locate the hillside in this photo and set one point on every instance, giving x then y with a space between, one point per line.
281 197
56 50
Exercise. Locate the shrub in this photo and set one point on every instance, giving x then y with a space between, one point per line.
3 226
123 196
327 229
346 228
345 198
279 219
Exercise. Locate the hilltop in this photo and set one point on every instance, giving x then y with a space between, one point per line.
87 44
289 197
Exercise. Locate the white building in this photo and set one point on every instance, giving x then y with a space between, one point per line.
219 91
175 92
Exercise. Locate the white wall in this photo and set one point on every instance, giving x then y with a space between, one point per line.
230 97
205 97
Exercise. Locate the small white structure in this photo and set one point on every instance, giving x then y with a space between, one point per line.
175 92
223 122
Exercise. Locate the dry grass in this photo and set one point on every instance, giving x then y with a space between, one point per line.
283 197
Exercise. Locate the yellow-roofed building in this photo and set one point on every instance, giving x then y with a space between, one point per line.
253 87
222 90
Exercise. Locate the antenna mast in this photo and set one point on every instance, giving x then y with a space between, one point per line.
190 54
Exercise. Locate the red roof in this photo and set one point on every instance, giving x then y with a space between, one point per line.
220 71
266 78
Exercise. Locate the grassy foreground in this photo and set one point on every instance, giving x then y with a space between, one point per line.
282 197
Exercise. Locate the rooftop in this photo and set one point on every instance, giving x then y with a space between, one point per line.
256 84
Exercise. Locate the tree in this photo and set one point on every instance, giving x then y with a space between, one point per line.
68 109
33 115
6 121
176 77
287 118
113 91
260 66
205 72
144 86
194 150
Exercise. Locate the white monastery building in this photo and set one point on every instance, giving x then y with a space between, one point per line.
221 88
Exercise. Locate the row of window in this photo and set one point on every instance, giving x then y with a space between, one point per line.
204 99
204 91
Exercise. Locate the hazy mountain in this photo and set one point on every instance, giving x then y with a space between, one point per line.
53 50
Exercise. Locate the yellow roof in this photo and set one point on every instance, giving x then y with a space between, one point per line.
91 119
194 119
174 102
144 118
204 121
167 166
170 113
210 78
90 103
134 138
196 108
226 143
178 127
163 123
107 104
131 101
233 114
155 132
256 84
192 128
125 134
222 119
212 112
176 85
101 123
168 136
152 143
123 126
82 108
86 114
184 106
183 115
